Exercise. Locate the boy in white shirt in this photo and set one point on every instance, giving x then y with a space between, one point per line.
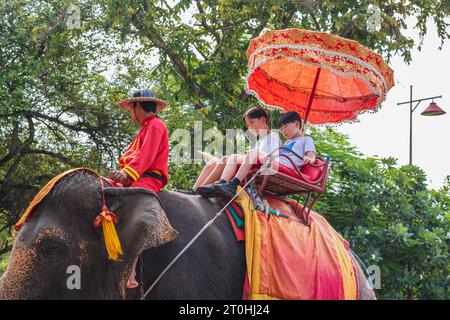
291 128
220 171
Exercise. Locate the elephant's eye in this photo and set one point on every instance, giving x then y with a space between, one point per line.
51 249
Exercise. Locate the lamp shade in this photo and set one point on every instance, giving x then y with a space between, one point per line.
433 110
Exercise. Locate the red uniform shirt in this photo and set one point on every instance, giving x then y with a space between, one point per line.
148 152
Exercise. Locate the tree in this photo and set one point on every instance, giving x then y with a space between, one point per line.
390 218
55 105
202 61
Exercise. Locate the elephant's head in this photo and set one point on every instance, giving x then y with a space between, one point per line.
60 254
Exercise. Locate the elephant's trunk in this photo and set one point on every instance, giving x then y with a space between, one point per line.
16 282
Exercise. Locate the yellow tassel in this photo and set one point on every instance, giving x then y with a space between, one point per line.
112 241
107 219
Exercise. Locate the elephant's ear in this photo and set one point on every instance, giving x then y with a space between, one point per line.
142 222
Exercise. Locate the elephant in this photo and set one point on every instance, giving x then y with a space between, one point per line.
60 237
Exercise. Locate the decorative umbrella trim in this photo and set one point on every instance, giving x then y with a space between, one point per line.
355 113
306 91
380 99
344 55
347 74
325 124
319 39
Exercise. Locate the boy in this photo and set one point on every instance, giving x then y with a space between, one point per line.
224 169
290 127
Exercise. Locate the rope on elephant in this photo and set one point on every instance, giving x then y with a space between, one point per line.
207 225
363 266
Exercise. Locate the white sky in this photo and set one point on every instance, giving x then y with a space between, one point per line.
386 133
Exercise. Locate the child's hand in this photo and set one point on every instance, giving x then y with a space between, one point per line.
263 158
308 159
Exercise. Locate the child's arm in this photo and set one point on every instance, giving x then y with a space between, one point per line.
263 157
310 151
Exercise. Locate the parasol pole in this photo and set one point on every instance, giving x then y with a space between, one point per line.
311 96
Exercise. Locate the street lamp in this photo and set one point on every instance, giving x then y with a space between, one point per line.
432 110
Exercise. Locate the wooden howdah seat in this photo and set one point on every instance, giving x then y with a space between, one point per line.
308 182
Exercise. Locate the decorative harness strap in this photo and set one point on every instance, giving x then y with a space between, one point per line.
106 218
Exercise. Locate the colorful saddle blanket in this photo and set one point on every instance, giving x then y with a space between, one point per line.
287 259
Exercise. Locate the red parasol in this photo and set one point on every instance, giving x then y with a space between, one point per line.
325 78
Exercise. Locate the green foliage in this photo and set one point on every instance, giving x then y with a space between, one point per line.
391 219
202 61
4 262
56 106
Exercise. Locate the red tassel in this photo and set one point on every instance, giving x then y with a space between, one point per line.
105 215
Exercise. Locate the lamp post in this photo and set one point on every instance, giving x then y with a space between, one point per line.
432 110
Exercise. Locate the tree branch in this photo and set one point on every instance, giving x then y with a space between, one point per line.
244 95
10 172
14 150
26 149
86 129
346 30
52 154
14 139
205 24
200 51
287 18
6 247
314 19
5 226
151 33
13 146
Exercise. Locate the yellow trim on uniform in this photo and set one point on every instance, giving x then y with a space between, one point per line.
131 151
157 171
133 171
132 176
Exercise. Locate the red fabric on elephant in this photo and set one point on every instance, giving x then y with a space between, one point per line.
288 260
